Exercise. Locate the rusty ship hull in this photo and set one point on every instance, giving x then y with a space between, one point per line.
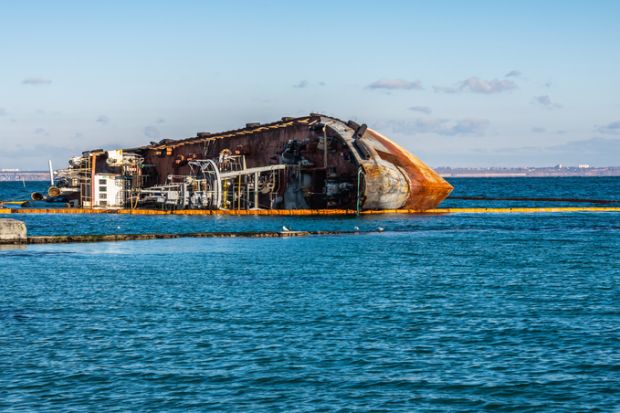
310 162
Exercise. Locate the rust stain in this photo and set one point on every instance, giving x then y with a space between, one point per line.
427 188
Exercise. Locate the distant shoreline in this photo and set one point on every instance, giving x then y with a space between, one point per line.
17 176
524 176
544 172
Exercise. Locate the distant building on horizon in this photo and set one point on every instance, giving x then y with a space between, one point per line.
15 174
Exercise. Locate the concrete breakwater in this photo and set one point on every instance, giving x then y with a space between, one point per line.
61 239
14 232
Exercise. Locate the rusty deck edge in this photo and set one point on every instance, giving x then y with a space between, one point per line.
310 212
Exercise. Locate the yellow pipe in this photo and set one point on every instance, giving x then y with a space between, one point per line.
92 180
239 193
14 202
225 193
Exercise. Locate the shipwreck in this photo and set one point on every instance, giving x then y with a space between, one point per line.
310 162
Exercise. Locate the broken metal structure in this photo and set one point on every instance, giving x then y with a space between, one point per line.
311 162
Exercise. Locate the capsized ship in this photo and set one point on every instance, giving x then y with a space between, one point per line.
310 162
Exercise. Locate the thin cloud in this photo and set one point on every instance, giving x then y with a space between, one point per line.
3 112
611 128
596 151
152 132
301 84
537 129
446 89
546 102
594 145
160 120
445 127
41 132
40 151
476 85
395 84
513 73
103 119
36 81
421 109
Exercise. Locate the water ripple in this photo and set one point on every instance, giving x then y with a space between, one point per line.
447 313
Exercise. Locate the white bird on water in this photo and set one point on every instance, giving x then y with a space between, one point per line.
356 228
380 229
285 229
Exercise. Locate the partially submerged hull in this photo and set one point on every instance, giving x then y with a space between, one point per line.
311 162
422 188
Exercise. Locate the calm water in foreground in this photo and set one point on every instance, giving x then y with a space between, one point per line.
437 313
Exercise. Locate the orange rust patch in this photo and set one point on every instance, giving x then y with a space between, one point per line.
427 189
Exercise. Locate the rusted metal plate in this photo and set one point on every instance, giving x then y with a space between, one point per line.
426 189
385 186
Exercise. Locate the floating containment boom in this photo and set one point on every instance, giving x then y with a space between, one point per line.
312 162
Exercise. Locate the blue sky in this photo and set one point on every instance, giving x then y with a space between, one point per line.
458 83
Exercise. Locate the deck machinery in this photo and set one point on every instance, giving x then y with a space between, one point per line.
310 162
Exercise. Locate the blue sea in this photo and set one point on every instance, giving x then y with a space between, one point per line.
438 313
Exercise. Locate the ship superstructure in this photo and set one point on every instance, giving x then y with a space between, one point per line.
310 162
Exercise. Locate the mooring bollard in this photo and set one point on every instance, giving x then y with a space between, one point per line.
12 231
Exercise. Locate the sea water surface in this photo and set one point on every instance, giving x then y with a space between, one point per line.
485 312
